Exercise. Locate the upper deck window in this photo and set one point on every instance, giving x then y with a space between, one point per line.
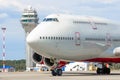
50 19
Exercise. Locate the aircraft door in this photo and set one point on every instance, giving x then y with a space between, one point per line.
108 39
77 38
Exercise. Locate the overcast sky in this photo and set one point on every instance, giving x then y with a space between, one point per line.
11 10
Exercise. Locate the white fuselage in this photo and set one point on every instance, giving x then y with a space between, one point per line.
75 38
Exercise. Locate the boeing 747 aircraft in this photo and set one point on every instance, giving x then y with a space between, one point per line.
62 38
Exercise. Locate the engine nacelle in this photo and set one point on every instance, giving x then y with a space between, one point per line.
116 51
54 63
37 58
49 62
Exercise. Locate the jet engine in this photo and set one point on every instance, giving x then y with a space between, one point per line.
49 62
37 58
116 51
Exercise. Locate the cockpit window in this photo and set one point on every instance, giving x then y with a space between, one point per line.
50 19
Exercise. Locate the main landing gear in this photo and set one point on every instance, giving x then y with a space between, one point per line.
56 69
104 69
56 72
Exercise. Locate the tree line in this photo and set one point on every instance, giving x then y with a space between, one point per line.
19 65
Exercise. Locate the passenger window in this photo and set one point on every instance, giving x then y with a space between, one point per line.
72 38
60 38
48 37
54 38
40 38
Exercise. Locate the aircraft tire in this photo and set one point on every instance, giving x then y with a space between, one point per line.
107 70
59 72
99 71
103 71
53 72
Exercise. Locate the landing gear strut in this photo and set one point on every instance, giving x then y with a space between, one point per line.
56 69
56 72
103 70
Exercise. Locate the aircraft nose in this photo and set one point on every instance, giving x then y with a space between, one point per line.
29 39
32 40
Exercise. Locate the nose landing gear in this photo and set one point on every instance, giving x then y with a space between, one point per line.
103 69
56 69
56 72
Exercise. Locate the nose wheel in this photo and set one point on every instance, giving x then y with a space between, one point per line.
56 72
103 70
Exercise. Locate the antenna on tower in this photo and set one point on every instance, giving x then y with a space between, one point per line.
29 7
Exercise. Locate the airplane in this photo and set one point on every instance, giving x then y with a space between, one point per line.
63 38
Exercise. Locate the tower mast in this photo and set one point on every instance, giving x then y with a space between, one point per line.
3 47
29 21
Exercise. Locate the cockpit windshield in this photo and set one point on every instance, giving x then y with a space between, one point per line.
50 19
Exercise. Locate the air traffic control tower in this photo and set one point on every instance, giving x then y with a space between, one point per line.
29 21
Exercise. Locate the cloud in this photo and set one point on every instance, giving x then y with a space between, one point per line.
56 6
3 15
45 7
107 1
13 5
100 1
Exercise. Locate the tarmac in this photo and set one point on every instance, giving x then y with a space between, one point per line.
89 75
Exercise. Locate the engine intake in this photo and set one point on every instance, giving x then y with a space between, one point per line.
116 51
37 58
49 62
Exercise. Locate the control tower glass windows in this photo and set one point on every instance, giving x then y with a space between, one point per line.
25 16
50 19
29 15
30 20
